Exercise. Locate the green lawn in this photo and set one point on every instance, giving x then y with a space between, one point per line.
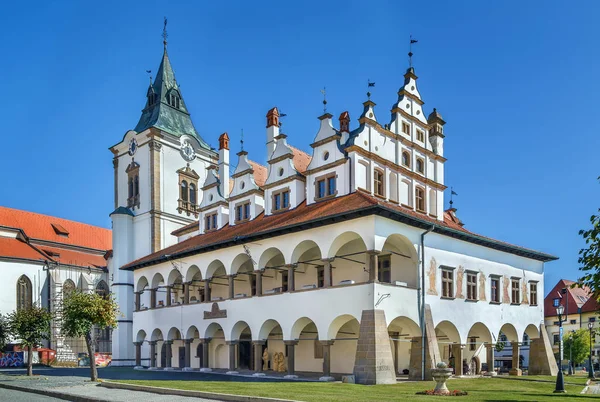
479 389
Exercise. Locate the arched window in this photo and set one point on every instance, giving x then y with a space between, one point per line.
136 189
130 188
192 193
420 165
184 190
102 289
378 182
406 159
420 199
68 287
24 296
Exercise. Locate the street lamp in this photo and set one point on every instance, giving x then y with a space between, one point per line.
560 382
592 333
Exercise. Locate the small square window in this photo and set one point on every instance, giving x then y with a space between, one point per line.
447 282
420 135
406 128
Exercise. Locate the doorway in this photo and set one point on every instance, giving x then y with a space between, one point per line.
181 357
245 354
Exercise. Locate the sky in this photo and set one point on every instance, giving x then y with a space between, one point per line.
517 83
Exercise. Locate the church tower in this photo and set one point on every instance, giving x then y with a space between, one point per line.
158 169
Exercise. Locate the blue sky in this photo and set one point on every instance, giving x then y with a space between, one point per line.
516 82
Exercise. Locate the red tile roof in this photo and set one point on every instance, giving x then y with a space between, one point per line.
72 257
579 298
301 159
18 249
38 226
339 207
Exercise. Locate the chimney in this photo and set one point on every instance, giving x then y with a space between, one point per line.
345 122
272 130
224 164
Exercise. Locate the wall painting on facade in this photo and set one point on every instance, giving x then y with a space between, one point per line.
432 277
459 282
482 286
506 294
524 299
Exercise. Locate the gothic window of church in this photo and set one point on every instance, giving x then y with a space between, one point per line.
378 182
420 166
193 193
184 191
420 135
102 289
24 293
420 199
406 128
406 159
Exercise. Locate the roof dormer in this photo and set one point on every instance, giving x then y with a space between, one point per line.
214 205
246 200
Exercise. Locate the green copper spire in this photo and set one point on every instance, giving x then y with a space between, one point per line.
165 108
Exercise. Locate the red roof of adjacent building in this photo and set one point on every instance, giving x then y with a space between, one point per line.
336 209
48 238
578 298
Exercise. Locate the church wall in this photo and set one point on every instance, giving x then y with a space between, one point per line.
11 272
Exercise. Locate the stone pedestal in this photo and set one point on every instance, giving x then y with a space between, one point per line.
432 351
516 371
541 357
374 363
457 352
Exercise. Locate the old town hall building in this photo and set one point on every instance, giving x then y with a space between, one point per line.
342 261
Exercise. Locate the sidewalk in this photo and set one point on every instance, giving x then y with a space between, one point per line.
81 390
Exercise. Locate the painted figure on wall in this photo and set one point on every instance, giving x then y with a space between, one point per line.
482 286
524 298
506 294
432 277
459 282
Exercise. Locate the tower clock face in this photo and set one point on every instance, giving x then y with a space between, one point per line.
133 146
187 151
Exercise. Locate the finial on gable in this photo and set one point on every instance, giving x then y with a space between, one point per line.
273 117
224 141
345 122
410 53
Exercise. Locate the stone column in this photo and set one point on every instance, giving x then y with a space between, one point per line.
231 286
207 295
457 352
232 356
373 363
188 354
138 301
327 272
291 353
326 361
152 298
169 295
373 256
152 354
138 354
515 360
291 277
169 354
204 358
489 349
186 292
396 335
258 274
258 362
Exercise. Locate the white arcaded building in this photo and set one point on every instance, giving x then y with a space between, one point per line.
326 258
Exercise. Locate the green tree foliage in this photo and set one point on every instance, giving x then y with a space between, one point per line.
81 312
31 326
577 344
589 257
4 331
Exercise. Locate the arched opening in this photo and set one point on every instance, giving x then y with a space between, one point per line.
218 282
475 352
402 331
450 345
24 293
175 288
308 265
508 354
158 287
275 277
349 260
244 281
157 340
193 276
343 331
309 351
173 353
272 334
143 289
193 334
243 349
193 192
217 350
398 262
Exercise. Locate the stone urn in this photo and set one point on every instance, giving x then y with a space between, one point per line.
440 375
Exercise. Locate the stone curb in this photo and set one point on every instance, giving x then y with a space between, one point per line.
53 394
194 394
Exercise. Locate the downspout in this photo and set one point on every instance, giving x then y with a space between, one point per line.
422 301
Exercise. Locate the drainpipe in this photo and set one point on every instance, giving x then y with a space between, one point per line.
422 301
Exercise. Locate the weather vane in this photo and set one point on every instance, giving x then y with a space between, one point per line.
164 34
410 53
242 140
369 85
324 92
149 72
280 120
452 192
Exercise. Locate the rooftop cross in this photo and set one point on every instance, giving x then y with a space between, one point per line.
242 139
410 53
165 35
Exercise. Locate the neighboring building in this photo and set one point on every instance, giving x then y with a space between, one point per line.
315 258
580 308
43 257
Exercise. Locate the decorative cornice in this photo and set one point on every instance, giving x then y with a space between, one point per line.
327 166
258 192
286 180
326 140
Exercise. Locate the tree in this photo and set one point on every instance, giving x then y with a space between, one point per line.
577 344
4 331
589 257
31 326
81 312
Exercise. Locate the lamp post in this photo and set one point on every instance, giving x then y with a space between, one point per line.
571 368
592 333
560 382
